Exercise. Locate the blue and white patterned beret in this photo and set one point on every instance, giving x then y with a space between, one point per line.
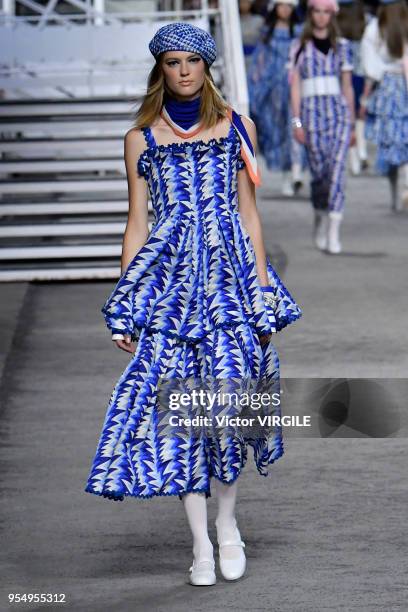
179 36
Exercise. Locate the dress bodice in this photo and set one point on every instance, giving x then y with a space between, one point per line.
170 168
197 270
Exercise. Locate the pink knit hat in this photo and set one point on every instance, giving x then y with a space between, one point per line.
331 5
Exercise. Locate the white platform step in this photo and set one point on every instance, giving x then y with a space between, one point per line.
66 208
41 147
80 186
80 128
62 165
47 109
60 252
125 80
62 229
62 273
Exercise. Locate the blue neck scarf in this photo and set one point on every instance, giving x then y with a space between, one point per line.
185 113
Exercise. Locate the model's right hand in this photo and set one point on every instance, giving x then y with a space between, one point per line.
299 134
126 344
264 339
362 112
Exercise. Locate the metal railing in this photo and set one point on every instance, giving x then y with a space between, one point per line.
91 50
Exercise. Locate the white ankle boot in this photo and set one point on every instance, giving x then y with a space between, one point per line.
202 573
287 185
361 143
333 239
320 229
297 177
355 163
232 562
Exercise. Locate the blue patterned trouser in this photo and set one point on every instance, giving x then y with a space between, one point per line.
327 126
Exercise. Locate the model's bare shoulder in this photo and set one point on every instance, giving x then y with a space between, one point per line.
135 140
247 120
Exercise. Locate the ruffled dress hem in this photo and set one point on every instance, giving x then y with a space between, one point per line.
267 458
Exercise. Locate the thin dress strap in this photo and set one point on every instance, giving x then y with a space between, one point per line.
232 132
148 134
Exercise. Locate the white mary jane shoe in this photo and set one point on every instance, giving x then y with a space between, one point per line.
232 568
203 573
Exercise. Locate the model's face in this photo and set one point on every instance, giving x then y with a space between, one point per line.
284 11
184 73
321 17
245 7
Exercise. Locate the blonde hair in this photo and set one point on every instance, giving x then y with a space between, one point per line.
213 107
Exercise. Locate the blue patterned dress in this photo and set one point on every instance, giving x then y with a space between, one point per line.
192 300
269 100
386 122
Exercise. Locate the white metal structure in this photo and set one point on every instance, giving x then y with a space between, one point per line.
69 84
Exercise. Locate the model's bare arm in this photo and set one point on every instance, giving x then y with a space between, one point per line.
368 87
248 209
295 92
295 100
348 91
137 228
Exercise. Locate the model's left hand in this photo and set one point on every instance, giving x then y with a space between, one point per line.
353 138
126 344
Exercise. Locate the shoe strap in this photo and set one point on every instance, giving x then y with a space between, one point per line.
196 564
232 543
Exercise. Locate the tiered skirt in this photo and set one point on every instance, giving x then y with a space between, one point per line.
140 456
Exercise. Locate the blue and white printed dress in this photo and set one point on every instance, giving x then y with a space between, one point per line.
326 121
269 100
192 300
387 108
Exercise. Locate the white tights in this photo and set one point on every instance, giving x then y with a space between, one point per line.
195 505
